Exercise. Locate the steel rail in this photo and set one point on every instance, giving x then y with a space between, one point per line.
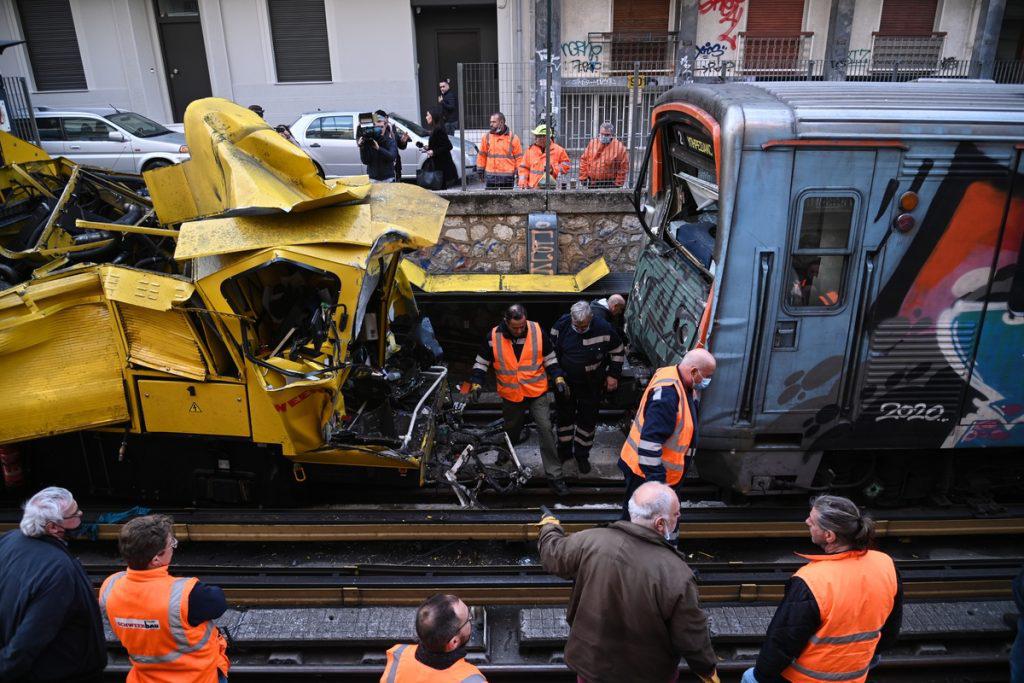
442 530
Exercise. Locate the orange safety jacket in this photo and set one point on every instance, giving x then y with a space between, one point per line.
499 154
605 163
148 612
403 667
673 451
523 377
531 170
855 592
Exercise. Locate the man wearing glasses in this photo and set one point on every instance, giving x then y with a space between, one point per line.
444 626
50 627
180 643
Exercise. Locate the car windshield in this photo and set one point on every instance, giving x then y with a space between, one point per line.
137 125
414 127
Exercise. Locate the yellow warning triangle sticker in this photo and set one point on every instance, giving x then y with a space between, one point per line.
194 408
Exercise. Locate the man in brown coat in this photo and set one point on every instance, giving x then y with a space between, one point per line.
634 609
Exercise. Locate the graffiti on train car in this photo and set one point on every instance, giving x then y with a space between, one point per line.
940 328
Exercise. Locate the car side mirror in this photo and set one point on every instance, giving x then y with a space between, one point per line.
116 136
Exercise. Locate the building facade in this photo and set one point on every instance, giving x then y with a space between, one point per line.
292 56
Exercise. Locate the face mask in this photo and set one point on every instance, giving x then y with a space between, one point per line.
605 139
704 383
496 128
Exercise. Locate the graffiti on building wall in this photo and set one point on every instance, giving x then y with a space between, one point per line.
584 55
706 65
729 14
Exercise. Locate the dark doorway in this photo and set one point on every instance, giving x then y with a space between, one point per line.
451 34
181 40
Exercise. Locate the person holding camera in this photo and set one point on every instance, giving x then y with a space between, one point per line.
439 148
378 150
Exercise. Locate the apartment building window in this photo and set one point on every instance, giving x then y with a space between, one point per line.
905 39
298 29
774 39
49 31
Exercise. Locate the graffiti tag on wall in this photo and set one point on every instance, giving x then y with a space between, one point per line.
585 53
729 13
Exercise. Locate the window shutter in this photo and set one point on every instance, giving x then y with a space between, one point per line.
53 51
907 17
631 16
299 32
778 18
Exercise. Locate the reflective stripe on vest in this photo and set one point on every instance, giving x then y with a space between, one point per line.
673 451
524 377
402 662
855 592
175 626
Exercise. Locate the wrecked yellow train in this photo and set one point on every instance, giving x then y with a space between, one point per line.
239 297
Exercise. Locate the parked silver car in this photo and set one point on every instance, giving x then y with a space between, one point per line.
330 139
119 140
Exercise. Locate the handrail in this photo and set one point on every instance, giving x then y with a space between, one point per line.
859 323
415 413
750 381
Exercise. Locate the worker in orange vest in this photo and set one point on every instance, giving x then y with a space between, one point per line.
444 625
532 168
838 609
662 431
499 155
523 361
165 645
605 160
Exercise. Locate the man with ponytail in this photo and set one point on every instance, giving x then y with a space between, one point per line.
838 609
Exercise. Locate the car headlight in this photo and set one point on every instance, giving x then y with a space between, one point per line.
183 149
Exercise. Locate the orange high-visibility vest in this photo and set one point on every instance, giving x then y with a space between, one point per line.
499 154
829 298
148 612
523 377
404 668
855 592
607 163
531 170
673 451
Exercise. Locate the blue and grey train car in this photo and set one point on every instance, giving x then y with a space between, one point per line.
851 254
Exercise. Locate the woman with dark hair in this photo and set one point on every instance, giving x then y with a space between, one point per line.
439 147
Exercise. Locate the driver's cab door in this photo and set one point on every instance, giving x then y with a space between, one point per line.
677 202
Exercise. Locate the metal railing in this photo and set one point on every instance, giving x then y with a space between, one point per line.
910 53
616 54
15 95
779 55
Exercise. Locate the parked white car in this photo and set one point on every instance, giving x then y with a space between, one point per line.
121 141
329 137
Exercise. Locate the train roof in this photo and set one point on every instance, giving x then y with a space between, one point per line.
925 109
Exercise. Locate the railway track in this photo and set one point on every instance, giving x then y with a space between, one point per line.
443 524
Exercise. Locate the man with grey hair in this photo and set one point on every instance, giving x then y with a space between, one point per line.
620 629
50 628
605 160
663 430
611 310
838 609
590 353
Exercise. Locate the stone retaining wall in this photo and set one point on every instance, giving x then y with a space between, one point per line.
485 232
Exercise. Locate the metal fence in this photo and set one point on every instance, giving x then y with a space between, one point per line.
15 95
584 98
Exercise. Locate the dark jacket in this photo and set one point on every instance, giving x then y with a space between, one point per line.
441 146
50 627
450 107
380 163
485 355
634 609
796 619
588 357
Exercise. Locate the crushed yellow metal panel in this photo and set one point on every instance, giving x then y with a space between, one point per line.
162 340
63 373
144 288
476 282
398 216
239 163
194 407
17 151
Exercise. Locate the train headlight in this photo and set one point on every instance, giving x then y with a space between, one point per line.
908 201
904 222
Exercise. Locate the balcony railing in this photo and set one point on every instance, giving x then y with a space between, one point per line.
617 53
774 55
907 53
